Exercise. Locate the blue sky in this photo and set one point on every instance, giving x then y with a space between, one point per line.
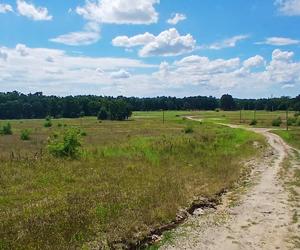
151 47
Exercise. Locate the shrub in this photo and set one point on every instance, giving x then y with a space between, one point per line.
188 130
298 122
59 125
291 121
297 114
25 135
6 129
253 122
83 133
277 122
66 144
48 122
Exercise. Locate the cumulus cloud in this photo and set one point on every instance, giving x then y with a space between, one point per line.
279 41
254 61
32 12
279 55
288 7
89 35
227 43
4 8
22 50
120 74
129 42
120 11
176 18
56 72
167 43
3 55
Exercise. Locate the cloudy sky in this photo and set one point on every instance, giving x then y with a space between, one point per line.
248 48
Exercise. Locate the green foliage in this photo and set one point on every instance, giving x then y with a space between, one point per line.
103 114
253 122
277 122
291 121
188 130
25 135
227 102
48 122
66 144
6 129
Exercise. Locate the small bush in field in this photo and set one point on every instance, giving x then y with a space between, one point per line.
298 122
188 130
291 121
25 135
253 122
66 144
48 122
6 129
83 133
277 122
59 125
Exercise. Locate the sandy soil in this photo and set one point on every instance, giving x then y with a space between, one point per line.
261 219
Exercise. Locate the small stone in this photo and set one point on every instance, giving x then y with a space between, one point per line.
198 212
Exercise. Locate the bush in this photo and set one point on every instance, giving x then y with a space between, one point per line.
83 133
291 121
277 122
6 129
297 114
48 122
188 130
298 122
253 122
66 144
25 135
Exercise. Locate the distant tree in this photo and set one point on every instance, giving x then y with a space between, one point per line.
227 103
103 114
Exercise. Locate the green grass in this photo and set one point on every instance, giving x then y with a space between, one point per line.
133 176
292 136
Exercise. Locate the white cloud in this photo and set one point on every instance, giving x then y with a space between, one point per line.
89 35
288 86
279 55
32 12
288 7
120 74
227 43
167 43
4 8
254 61
129 42
22 50
176 18
56 72
120 11
3 55
279 41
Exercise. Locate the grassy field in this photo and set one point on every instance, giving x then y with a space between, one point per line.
133 176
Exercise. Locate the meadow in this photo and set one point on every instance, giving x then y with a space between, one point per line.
131 177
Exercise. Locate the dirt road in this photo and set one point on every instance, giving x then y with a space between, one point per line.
261 219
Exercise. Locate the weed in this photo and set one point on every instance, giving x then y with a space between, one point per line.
6 129
25 135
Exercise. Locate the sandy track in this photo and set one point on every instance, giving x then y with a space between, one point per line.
262 218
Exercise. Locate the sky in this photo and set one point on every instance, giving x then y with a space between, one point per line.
146 48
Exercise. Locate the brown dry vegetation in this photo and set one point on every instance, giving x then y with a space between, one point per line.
133 176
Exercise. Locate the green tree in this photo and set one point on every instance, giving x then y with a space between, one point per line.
227 103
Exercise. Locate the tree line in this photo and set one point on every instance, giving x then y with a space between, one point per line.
15 105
